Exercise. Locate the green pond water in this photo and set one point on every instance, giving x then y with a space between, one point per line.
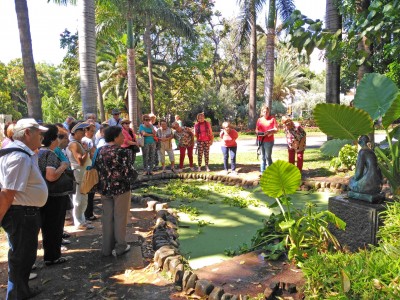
227 227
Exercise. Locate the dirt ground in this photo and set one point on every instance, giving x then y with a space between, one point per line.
89 275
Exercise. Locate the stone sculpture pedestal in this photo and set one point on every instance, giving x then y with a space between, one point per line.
362 221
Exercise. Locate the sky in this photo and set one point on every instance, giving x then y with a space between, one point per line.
48 20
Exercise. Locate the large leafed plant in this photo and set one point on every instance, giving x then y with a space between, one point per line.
376 97
303 231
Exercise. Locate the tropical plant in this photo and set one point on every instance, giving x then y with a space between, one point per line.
366 274
347 158
125 14
247 28
307 231
87 53
284 8
376 97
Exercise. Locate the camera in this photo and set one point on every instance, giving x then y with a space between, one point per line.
261 133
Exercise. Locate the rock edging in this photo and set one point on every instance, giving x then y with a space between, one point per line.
306 185
167 257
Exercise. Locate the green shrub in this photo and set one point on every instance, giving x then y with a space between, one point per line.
347 158
367 274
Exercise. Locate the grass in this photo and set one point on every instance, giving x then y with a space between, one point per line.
313 160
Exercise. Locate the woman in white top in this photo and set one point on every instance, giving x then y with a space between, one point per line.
79 157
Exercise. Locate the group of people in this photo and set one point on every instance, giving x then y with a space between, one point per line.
36 156
158 138
33 160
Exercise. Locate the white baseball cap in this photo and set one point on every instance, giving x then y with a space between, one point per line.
28 123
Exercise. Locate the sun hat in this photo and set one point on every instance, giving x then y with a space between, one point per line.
125 120
28 123
79 125
115 111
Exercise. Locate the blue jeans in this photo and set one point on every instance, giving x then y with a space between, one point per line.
21 223
266 155
226 151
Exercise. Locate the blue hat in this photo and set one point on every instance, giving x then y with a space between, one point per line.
79 125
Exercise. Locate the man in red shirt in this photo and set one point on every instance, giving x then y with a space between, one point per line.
266 127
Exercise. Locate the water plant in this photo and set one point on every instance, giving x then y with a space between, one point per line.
304 231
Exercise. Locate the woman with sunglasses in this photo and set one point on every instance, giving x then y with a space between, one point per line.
146 129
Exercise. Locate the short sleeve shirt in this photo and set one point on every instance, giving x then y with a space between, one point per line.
21 173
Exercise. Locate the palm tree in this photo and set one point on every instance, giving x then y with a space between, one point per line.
333 24
139 10
30 75
87 53
248 27
249 10
87 56
288 79
285 9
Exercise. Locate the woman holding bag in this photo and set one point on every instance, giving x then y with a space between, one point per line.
130 141
53 212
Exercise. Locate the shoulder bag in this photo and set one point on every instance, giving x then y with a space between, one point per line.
64 185
90 177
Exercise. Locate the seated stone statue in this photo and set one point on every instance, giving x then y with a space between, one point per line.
368 177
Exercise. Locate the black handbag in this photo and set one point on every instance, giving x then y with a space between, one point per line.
134 148
64 185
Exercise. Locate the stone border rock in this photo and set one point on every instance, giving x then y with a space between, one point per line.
307 185
167 257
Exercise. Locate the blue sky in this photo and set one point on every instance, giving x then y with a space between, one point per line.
48 20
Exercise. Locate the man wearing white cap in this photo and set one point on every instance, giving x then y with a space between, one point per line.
23 192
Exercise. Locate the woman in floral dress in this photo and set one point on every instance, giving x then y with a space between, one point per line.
116 171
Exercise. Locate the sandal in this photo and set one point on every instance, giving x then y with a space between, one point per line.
58 261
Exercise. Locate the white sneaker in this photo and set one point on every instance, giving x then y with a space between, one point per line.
225 172
234 173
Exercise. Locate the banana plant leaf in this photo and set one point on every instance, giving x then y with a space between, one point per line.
280 178
332 147
393 113
395 133
375 94
342 122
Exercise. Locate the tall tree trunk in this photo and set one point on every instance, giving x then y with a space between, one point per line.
87 56
100 101
363 47
30 77
253 68
132 88
333 24
147 42
270 55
